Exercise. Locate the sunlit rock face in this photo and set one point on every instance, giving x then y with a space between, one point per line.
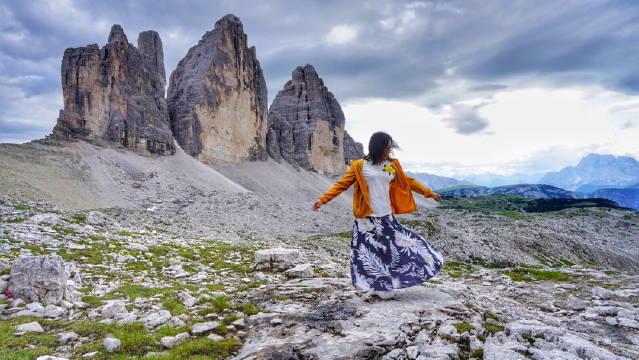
116 94
217 98
306 125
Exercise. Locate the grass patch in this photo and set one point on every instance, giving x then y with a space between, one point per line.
527 274
60 229
492 328
512 215
250 309
463 327
174 306
15 348
92 301
345 234
477 354
528 337
136 291
202 348
216 305
79 219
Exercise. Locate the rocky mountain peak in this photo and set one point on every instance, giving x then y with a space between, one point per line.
217 97
116 94
229 20
117 34
306 125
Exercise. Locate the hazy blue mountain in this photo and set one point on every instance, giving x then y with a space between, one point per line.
624 197
434 181
594 171
489 179
525 190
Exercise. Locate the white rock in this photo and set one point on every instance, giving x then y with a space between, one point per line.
114 309
259 276
239 323
187 299
215 337
412 352
300 271
32 326
622 321
111 344
204 327
52 311
172 341
277 259
90 355
601 293
35 307
155 319
66 337
548 306
38 278
3 286
50 357
138 247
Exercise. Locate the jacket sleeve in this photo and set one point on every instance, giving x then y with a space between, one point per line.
340 186
419 188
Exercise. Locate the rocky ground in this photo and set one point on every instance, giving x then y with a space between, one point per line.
208 277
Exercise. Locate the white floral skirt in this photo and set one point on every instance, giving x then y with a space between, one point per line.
386 255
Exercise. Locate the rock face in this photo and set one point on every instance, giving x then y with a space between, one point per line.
352 149
306 125
38 278
116 94
217 97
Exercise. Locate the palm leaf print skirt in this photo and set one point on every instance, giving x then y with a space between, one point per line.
386 255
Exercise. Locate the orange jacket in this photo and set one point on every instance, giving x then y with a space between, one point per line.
400 190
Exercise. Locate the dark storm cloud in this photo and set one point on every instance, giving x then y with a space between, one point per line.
402 49
465 120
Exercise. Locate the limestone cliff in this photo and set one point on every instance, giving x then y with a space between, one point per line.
352 149
306 125
217 97
116 94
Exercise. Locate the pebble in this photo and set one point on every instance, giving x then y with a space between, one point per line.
111 344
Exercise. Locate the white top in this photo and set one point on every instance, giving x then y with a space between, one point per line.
378 181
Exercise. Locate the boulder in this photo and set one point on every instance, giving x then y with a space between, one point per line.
300 271
277 259
41 278
111 344
217 97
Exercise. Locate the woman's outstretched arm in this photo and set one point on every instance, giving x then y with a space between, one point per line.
417 187
339 187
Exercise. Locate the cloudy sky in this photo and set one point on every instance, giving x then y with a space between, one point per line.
463 86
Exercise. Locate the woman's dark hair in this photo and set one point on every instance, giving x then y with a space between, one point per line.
376 146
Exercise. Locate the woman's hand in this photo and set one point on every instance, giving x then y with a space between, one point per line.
316 205
437 197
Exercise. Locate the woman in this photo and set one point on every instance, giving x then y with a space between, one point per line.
384 254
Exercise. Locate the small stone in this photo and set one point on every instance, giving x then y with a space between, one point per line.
215 337
300 271
239 323
276 321
66 337
172 341
32 326
412 352
90 355
548 306
156 319
111 344
50 357
259 276
204 327
35 307
52 311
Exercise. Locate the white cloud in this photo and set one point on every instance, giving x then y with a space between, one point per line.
531 130
342 34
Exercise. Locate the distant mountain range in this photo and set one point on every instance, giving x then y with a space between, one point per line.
525 190
594 172
489 179
595 176
436 182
